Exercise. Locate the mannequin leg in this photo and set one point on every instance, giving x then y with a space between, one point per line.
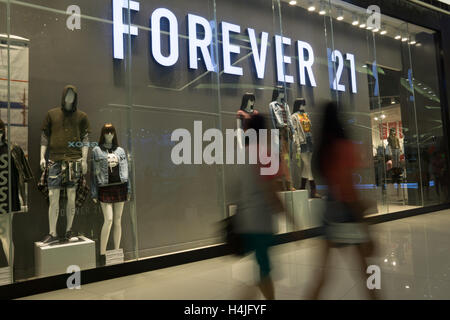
70 208
53 210
107 209
118 209
5 236
306 162
285 159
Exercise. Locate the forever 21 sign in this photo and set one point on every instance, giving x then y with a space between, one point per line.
196 44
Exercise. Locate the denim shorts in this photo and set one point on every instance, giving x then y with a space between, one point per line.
308 146
63 174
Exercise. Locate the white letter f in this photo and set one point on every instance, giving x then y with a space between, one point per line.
119 28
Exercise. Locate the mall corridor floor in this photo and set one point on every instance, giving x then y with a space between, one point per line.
413 254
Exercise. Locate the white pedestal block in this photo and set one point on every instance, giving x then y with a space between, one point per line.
54 259
5 276
296 203
316 210
301 209
114 257
280 219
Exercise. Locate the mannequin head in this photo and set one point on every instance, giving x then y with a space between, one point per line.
299 105
278 94
2 132
69 99
108 135
248 102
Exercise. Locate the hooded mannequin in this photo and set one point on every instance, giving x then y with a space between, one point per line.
304 144
110 185
63 128
281 119
244 113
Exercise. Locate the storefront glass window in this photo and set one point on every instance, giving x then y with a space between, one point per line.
98 97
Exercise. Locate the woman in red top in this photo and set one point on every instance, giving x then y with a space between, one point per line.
337 158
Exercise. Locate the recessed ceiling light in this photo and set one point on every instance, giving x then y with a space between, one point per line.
418 44
340 16
404 39
398 37
293 3
355 20
311 6
362 25
383 32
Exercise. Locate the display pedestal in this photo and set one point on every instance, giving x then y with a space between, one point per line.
316 210
5 276
296 203
55 259
114 257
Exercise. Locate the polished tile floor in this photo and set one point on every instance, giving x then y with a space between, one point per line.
413 255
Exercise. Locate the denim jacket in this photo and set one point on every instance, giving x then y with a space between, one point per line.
277 116
99 169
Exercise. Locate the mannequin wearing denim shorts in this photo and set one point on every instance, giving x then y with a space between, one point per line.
64 127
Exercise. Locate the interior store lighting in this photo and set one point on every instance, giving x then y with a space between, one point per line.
293 2
355 20
340 16
322 9
398 37
311 6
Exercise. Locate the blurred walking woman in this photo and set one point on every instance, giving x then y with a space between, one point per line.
337 158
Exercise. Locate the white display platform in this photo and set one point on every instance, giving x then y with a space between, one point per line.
316 210
55 259
114 257
5 276
296 203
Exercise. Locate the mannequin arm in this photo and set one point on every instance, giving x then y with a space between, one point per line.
84 152
42 161
44 146
94 186
239 134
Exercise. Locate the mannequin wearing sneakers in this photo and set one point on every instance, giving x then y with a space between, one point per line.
66 165
110 185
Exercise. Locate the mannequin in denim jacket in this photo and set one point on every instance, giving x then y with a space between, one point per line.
112 211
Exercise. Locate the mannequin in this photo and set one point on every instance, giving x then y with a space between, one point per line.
246 110
281 119
394 152
304 144
110 185
20 174
63 126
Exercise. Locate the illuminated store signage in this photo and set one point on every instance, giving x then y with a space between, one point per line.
199 25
